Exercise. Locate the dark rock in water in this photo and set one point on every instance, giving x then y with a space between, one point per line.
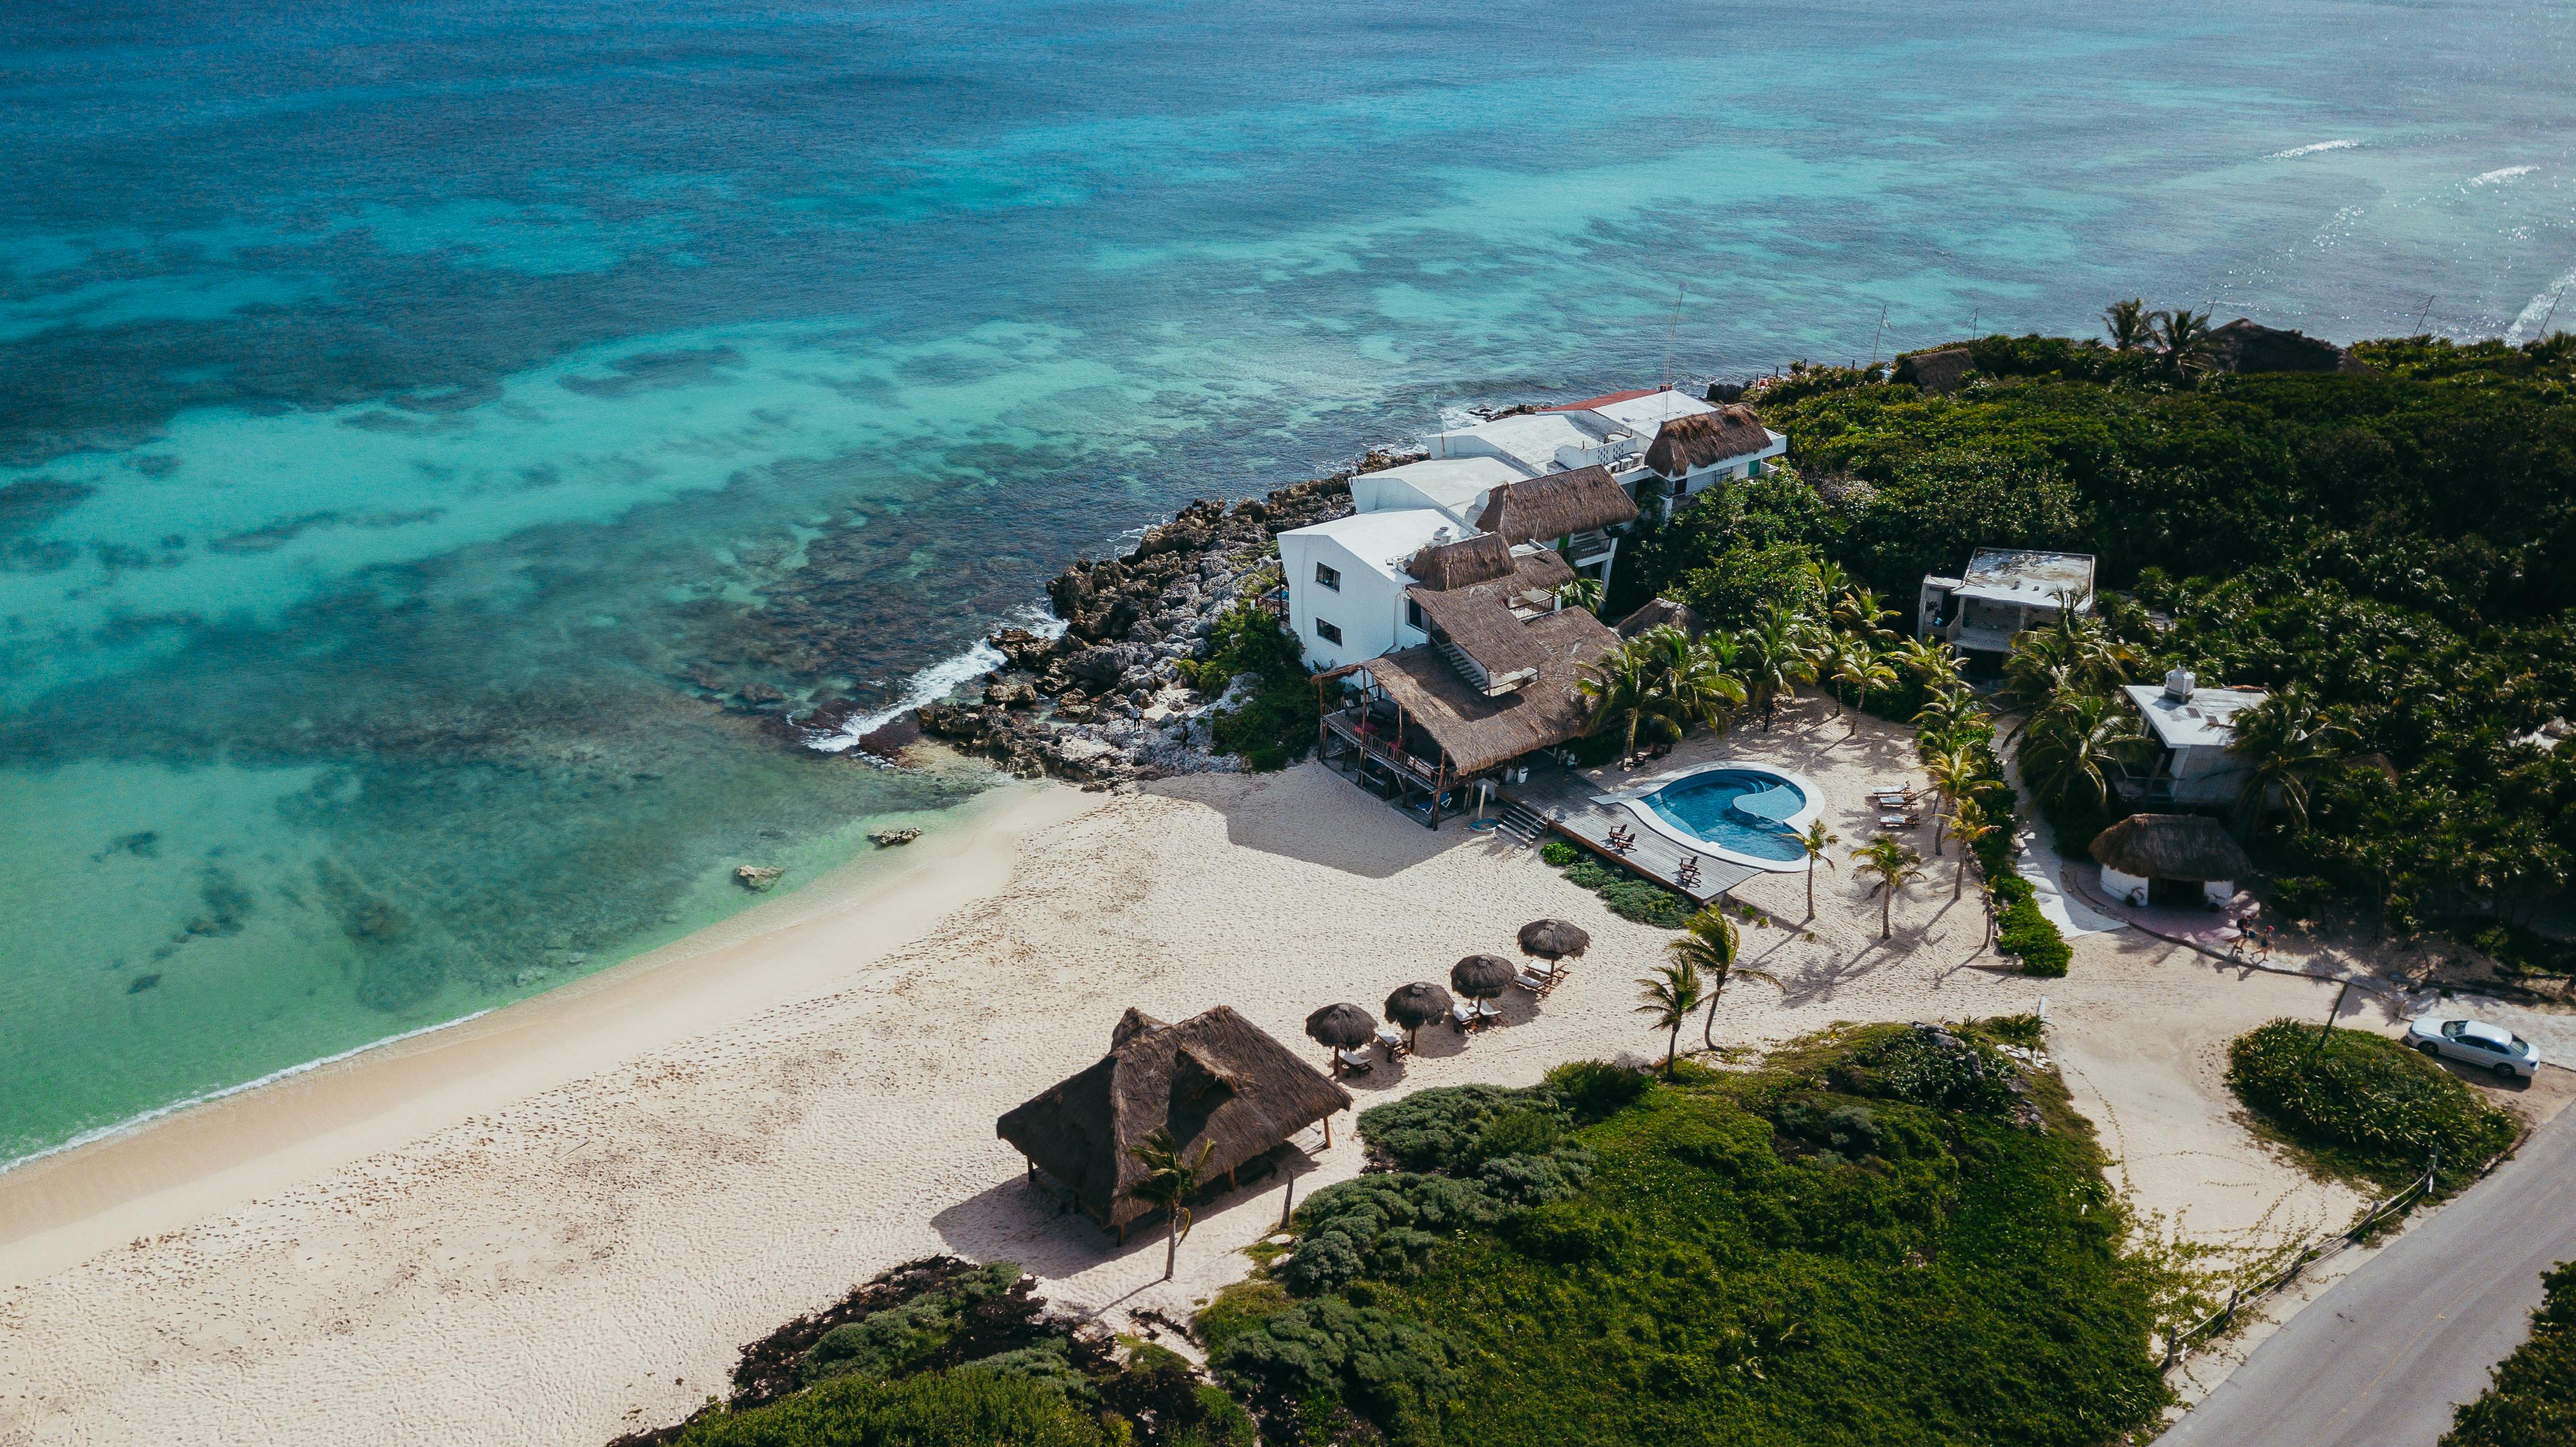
143 845
1724 392
893 838
892 737
2249 346
758 878
142 983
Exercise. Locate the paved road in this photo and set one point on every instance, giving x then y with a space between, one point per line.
2381 1358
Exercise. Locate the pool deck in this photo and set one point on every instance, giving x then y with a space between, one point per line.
1571 804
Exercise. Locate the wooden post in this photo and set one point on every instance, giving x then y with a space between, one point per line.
1288 1207
2315 1049
1328 1130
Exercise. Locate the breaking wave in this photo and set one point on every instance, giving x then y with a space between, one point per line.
2310 150
2501 174
2542 311
934 683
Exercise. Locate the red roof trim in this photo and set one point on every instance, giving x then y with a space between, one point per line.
1589 403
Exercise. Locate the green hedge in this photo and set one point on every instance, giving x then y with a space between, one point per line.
2364 1105
2532 1400
1624 893
1860 1243
969 1408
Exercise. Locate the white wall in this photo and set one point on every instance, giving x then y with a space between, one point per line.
2127 888
1369 608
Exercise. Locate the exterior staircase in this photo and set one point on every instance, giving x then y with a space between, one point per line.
1522 822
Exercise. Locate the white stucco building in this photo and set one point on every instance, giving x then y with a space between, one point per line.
2195 732
2000 593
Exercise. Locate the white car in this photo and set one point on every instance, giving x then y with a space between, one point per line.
2474 1042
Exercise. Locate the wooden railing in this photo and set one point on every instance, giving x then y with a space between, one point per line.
1376 747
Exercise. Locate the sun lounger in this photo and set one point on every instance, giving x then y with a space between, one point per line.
1463 1014
1488 1011
1391 1040
1537 982
1899 821
1355 1061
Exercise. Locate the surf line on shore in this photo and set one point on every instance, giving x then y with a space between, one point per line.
134 1123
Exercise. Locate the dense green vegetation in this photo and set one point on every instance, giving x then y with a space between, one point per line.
1274 723
941 1353
1873 1240
2532 1402
1623 892
2400 545
2364 1106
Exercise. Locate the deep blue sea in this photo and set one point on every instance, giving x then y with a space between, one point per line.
430 432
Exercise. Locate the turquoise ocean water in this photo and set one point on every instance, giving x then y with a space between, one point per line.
436 439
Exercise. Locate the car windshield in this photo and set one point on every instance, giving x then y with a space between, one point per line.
2521 1046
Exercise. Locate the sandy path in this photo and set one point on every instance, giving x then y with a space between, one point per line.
587 1258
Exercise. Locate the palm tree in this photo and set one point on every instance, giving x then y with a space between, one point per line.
1948 713
1775 656
1929 661
1620 685
2069 748
2130 324
1953 771
1169 1182
1830 578
2288 738
1896 866
2184 343
1709 946
1690 681
1580 593
1968 825
1862 611
1825 662
1670 995
1863 669
1816 841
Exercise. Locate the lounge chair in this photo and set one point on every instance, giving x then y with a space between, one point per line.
1463 1014
1390 1040
1537 982
1488 1011
1356 1062
1899 821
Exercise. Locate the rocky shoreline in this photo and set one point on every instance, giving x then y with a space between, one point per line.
1104 700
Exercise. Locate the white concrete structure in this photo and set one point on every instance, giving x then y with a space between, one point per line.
1543 442
2195 730
2002 592
1456 487
1346 581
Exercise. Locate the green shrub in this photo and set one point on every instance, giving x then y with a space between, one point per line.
1559 853
964 1408
1647 903
1237 1309
1597 749
2300 896
1276 725
1927 1066
1395 1369
1592 874
1440 1129
886 1343
2364 1105
2532 1399
1595 1090
2024 932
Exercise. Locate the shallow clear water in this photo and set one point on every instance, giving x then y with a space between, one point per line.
430 432
1703 805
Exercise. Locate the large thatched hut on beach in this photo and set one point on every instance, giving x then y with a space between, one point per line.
2169 859
1214 1080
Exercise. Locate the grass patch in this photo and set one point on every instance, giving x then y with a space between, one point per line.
1868 1241
2364 1107
2532 1400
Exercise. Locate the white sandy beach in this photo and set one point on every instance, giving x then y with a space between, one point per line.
561 1225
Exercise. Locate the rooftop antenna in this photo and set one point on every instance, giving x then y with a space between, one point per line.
1973 314
1878 336
2553 312
1672 332
2427 311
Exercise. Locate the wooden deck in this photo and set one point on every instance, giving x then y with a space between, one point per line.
1568 802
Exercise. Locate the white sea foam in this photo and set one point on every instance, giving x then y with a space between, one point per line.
2502 174
2545 307
2311 150
135 1123
934 683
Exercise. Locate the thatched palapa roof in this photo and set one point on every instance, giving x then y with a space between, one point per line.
1656 613
1214 1080
1479 621
1478 732
2171 846
1940 371
1480 559
1558 505
1705 439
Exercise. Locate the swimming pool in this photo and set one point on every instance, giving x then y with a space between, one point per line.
1706 808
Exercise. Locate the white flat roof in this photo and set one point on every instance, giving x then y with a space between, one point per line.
2206 719
1387 540
1646 415
1531 439
1452 482
2026 575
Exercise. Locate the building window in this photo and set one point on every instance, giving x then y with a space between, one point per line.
1327 631
1329 577
1413 616
1753 468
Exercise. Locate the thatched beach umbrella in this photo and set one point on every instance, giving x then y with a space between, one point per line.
1481 977
1340 1027
1416 1005
1553 939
